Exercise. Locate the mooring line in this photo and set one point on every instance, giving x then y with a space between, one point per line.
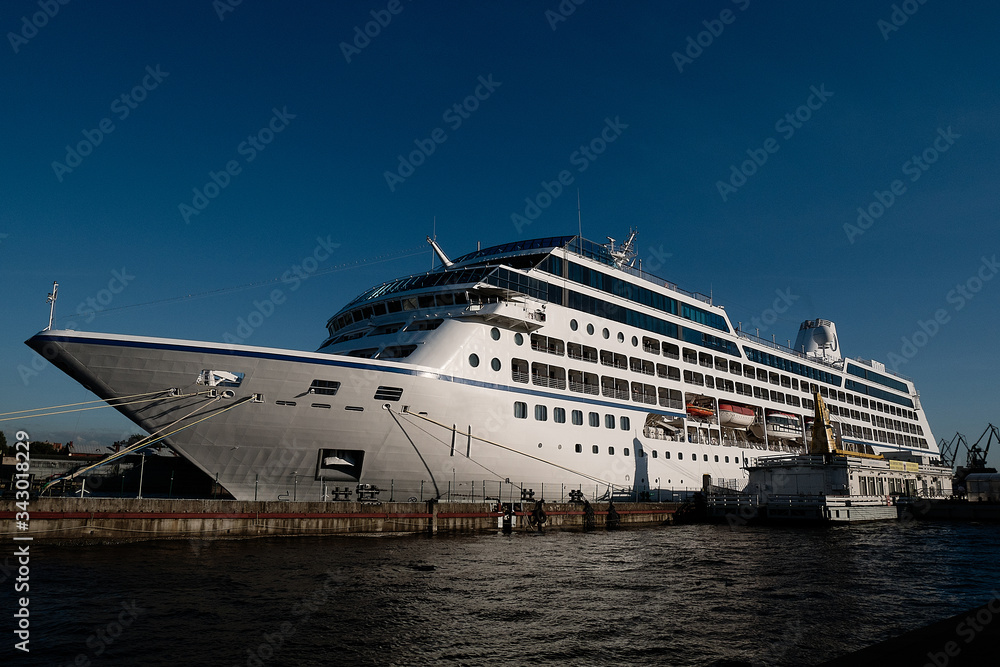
510 449
20 414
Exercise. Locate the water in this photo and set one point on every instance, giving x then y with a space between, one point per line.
686 595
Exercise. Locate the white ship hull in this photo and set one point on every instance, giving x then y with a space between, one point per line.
267 451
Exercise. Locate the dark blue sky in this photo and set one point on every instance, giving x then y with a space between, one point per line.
818 108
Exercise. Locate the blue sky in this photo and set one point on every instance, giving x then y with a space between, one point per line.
153 151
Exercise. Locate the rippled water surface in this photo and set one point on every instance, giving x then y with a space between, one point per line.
686 595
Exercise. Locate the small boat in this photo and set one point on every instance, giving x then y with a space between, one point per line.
780 425
699 411
735 416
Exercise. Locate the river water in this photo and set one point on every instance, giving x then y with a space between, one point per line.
679 595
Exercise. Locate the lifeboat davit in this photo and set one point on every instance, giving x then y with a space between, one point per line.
735 416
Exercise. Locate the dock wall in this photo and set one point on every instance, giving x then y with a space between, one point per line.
128 519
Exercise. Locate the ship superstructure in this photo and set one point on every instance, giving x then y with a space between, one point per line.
552 364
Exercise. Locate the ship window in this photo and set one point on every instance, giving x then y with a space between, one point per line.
626 424
680 455
606 333
394 306
424 325
595 449
666 455
495 333
559 415
670 350
574 325
397 351
716 458
625 451
578 417
519 370
595 419
727 459
621 337
520 410
706 457
609 421
326 387
474 360
289 403
611 451
541 413
635 342
654 453
579 449
446 299
518 339
590 329
495 364
321 405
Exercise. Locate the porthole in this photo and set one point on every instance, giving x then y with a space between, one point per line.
606 333
495 364
574 325
579 449
635 342
539 445
596 449
621 337
590 329
518 339
474 360
495 333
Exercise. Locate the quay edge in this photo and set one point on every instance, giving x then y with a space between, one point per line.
106 520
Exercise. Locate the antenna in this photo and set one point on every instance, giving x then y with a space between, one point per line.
579 215
434 234
51 300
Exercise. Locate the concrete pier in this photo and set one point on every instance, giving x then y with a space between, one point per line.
97 520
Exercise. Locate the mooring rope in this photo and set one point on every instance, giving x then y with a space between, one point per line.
510 449
107 404
141 445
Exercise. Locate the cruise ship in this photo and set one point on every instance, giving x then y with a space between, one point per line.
534 369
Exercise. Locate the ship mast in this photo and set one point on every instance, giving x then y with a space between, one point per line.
51 300
625 254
